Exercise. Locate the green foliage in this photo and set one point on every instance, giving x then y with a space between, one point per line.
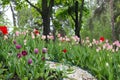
19 67
4 2
118 19
38 4
103 64
62 13
24 15
100 23
20 5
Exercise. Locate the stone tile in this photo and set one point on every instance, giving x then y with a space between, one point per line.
77 73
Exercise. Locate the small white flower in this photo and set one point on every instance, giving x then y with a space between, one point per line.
107 64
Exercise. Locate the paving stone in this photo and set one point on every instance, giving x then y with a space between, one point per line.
75 74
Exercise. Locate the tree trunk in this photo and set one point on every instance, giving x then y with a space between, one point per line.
77 31
46 18
46 13
80 19
13 15
46 24
112 20
117 30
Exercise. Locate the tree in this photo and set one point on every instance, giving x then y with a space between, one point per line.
108 15
116 9
112 20
78 19
74 10
3 9
13 15
45 12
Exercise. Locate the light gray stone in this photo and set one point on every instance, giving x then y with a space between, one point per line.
75 74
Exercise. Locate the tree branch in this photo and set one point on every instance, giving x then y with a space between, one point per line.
51 4
72 17
70 13
38 9
13 15
81 14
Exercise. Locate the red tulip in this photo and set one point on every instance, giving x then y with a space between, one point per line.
4 30
102 39
36 32
64 50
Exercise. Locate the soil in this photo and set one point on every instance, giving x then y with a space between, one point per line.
15 78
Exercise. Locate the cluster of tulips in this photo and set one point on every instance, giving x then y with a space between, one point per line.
102 44
29 47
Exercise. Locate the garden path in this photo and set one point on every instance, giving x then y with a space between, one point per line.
72 72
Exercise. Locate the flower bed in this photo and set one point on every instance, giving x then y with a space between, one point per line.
24 56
